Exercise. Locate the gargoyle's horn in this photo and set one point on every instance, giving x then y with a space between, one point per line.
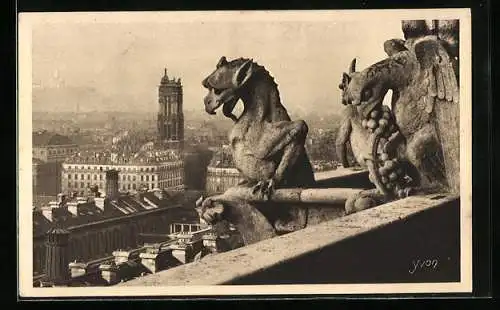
352 67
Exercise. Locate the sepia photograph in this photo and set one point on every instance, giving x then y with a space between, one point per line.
217 153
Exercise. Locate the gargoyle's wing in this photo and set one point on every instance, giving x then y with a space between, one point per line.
438 81
279 135
436 91
394 46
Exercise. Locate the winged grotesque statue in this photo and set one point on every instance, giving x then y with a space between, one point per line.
414 145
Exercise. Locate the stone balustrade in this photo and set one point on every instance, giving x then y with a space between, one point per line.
339 250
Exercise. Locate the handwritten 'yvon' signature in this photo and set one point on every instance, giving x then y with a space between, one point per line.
427 264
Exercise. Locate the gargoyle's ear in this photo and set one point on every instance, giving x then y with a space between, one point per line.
222 62
243 73
352 66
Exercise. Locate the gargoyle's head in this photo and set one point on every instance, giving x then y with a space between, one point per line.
363 89
226 83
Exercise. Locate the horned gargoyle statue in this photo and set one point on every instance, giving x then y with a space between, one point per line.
414 146
268 147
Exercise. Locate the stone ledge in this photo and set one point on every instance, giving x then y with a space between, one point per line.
227 267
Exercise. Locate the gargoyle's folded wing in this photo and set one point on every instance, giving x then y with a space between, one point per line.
438 80
394 46
278 136
436 91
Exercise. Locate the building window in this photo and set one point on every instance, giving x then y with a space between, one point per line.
95 177
128 177
82 185
100 177
142 178
133 178
128 186
88 176
123 177
82 177
133 186
88 184
152 178
69 176
123 186
147 178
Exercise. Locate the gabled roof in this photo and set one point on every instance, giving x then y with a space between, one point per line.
88 212
45 138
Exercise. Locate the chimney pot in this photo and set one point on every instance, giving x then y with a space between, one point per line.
112 184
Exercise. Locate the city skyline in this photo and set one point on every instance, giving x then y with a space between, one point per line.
97 65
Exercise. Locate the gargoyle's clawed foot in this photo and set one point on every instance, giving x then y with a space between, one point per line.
285 227
363 201
210 210
265 188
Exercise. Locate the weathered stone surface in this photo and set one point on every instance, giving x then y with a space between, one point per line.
327 196
422 70
226 267
268 148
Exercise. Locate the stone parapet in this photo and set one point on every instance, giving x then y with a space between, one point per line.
296 257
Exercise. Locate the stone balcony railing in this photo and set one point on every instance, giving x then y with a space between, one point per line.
378 245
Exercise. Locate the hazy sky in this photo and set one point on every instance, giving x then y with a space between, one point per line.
126 60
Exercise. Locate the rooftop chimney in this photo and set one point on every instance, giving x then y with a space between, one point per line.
159 193
47 213
61 199
47 210
111 184
99 202
73 207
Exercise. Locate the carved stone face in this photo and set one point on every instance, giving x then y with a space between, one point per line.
361 91
224 84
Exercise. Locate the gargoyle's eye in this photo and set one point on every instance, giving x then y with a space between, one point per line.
367 93
217 91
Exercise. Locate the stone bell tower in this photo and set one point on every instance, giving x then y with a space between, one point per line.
170 114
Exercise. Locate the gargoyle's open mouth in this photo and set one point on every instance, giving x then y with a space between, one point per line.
227 108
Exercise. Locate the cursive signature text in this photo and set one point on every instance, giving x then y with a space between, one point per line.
428 264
